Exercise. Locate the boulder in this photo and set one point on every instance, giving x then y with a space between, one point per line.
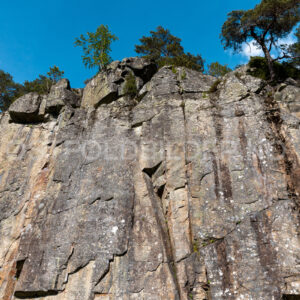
141 67
61 95
26 109
99 90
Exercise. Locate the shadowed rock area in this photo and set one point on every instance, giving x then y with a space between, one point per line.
181 192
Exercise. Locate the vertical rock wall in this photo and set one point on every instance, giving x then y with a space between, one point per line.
180 193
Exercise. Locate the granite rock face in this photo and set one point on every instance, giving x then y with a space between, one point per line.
108 86
180 193
35 108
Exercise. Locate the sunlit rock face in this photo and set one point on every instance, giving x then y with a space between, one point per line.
189 190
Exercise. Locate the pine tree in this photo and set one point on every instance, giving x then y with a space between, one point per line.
55 74
266 24
165 49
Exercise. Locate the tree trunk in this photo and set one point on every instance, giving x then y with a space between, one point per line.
269 61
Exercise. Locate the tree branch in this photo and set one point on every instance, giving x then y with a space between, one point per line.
271 43
285 56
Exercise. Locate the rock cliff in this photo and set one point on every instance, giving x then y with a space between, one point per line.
190 190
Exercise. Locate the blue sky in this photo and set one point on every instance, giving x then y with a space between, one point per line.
35 34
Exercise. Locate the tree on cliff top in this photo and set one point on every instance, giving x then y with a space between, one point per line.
40 85
55 74
218 70
10 90
266 24
96 47
43 83
165 49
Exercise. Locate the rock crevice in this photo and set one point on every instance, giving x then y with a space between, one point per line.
180 192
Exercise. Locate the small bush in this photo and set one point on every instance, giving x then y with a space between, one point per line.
259 68
218 70
174 69
195 246
130 86
183 75
214 86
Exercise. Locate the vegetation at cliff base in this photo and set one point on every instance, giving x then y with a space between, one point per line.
96 47
166 49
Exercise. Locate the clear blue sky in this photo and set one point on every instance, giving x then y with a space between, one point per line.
35 34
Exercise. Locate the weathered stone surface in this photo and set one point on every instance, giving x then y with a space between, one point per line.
179 194
142 68
107 86
34 108
26 109
61 95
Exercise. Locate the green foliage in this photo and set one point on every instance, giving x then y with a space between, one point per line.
41 85
218 70
190 61
55 74
214 86
161 46
259 68
207 242
195 246
267 23
9 90
96 47
130 86
294 50
165 49
183 75
270 94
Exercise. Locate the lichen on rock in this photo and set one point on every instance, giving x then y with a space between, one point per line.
177 194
